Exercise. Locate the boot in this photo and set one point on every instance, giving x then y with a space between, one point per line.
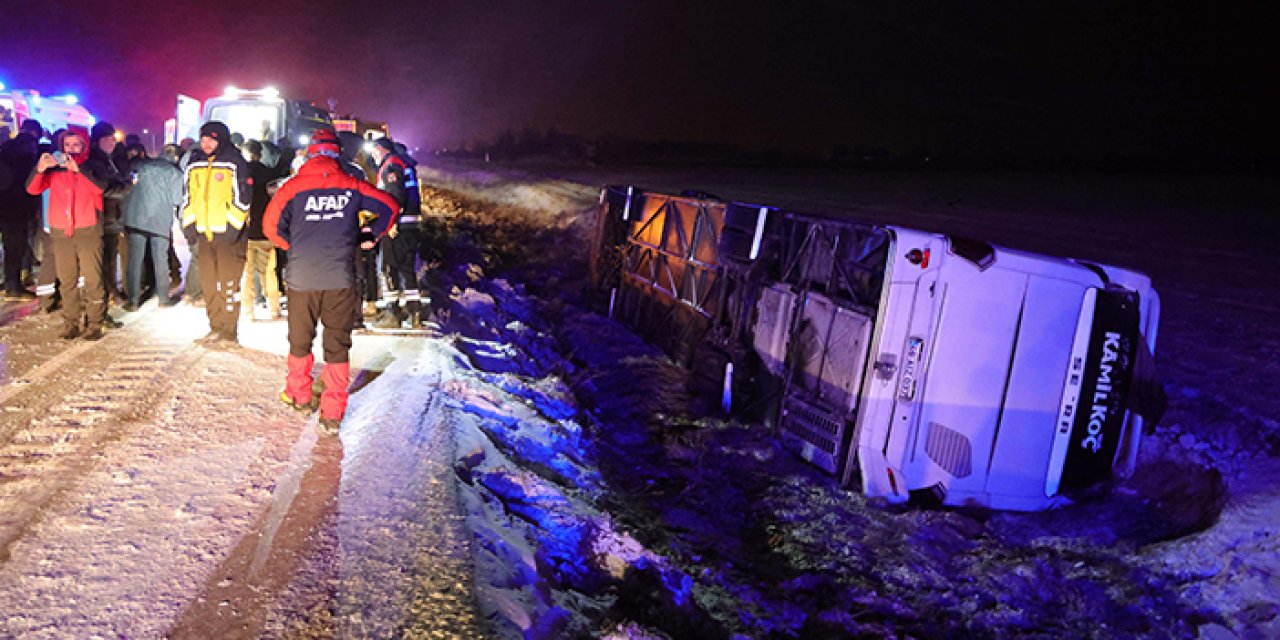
390 318
297 390
370 309
329 426
333 401
415 313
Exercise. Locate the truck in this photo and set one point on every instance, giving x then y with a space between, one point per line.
924 367
52 112
256 114
368 130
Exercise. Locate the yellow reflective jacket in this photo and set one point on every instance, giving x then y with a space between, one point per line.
216 194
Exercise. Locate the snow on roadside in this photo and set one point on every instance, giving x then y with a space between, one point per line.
1126 565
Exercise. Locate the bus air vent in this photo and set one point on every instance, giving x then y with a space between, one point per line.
950 450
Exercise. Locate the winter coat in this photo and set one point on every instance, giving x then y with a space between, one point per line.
216 192
260 175
102 166
316 217
413 193
391 179
75 199
149 206
18 157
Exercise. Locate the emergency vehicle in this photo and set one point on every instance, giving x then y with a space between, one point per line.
922 366
52 112
366 129
256 114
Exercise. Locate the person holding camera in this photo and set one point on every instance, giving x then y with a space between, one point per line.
75 229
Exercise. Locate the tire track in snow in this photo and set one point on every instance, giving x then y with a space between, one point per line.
44 457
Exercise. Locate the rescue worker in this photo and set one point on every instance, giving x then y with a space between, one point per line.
216 198
316 217
400 252
75 221
355 162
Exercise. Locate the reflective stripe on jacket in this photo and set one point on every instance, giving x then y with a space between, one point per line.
216 195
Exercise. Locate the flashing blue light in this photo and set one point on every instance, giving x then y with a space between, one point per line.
71 99
1 86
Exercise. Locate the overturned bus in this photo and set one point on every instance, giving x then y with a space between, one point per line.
925 366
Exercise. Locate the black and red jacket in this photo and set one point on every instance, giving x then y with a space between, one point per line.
315 216
398 178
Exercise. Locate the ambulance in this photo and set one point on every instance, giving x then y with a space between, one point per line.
52 112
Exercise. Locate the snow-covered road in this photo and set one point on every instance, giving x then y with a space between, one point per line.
149 486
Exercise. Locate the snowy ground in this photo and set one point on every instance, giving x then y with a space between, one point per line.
533 470
1186 548
149 486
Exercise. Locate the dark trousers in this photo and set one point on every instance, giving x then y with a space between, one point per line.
140 243
80 256
399 257
175 265
47 283
17 247
193 290
335 309
367 273
221 266
282 270
114 245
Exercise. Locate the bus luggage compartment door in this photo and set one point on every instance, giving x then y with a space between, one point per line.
828 356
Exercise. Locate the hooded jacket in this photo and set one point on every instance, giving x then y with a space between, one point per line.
316 216
216 193
75 198
149 206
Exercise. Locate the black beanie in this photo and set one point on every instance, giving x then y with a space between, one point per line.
101 130
386 143
216 130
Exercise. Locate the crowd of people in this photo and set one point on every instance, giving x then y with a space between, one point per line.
328 234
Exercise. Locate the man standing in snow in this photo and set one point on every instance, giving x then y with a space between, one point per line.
399 254
316 217
148 221
75 209
18 209
260 263
104 163
216 197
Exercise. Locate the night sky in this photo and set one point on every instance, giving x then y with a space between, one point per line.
809 76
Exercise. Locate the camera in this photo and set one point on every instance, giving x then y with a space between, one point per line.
59 157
